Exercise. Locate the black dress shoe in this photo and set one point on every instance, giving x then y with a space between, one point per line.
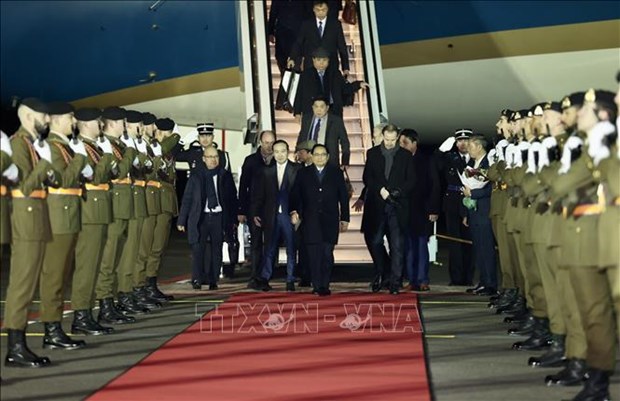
394 291
55 337
213 287
196 285
265 287
19 355
324 292
486 291
474 289
376 284
290 286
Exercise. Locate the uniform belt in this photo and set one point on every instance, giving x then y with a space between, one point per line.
588 210
503 186
140 183
3 190
155 184
100 187
122 181
455 188
65 191
37 193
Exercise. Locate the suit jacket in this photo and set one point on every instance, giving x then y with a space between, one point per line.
334 87
425 194
332 41
483 200
401 178
253 165
321 203
265 195
195 199
335 134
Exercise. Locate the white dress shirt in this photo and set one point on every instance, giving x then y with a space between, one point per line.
218 209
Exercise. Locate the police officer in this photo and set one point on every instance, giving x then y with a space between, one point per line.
30 227
451 160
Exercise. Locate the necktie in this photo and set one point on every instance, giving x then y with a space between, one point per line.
317 128
321 78
321 28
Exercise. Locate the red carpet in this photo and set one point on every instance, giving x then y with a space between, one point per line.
298 347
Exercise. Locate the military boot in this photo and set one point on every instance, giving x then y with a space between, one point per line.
554 357
19 355
572 375
55 337
84 323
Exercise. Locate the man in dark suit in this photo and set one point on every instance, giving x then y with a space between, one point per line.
319 200
285 19
451 160
209 205
252 166
322 81
326 129
424 212
324 32
479 221
389 179
271 208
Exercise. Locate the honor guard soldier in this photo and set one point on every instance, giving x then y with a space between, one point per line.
585 200
30 226
131 292
96 207
69 158
169 206
125 153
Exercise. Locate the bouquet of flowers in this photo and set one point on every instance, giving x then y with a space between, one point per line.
473 178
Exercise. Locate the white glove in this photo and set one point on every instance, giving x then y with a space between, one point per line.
549 142
163 166
5 144
189 138
105 145
77 147
572 143
140 145
500 148
518 153
87 171
156 148
11 173
128 141
509 155
43 150
531 161
596 148
136 162
543 157
447 144
492 157
384 193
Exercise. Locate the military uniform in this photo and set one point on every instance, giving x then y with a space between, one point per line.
169 209
96 214
30 230
122 211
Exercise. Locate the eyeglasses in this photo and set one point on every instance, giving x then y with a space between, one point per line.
319 154
210 157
